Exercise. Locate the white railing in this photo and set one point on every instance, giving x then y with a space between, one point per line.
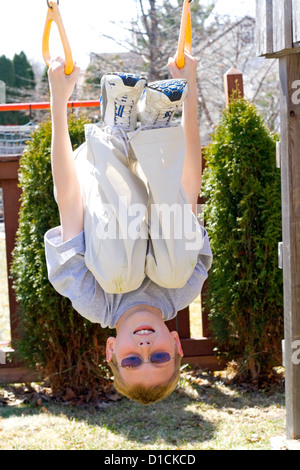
13 139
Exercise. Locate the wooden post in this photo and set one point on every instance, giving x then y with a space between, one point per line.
289 67
9 166
283 32
233 81
181 323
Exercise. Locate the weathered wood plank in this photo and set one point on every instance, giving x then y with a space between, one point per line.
11 199
289 68
296 21
211 363
276 55
282 25
198 347
264 27
12 375
9 169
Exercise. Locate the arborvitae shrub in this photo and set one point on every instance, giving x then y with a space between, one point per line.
243 214
54 339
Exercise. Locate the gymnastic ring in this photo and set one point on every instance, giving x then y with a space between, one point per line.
49 6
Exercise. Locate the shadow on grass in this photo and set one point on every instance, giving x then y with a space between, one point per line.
239 395
180 419
175 421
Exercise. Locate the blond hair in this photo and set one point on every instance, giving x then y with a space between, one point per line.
142 394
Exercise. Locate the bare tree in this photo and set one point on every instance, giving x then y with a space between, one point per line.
218 42
233 45
150 23
153 34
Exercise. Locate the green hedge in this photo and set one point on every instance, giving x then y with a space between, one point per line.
243 214
55 339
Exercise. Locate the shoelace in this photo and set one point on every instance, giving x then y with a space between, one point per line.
164 117
121 133
123 112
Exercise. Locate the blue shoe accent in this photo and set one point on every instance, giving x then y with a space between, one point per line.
173 89
160 101
129 79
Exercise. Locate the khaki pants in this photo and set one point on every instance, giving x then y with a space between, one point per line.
137 220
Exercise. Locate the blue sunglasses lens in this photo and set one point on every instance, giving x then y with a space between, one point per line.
136 361
132 361
160 357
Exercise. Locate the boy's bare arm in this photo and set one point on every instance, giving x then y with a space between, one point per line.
63 168
192 170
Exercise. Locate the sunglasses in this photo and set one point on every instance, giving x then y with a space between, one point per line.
155 358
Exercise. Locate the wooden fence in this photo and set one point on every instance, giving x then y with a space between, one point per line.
197 351
9 166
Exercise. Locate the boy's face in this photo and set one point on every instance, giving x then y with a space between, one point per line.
141 334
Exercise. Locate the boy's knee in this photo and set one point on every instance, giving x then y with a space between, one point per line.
173 274
120 280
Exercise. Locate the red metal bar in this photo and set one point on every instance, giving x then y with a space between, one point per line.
46 105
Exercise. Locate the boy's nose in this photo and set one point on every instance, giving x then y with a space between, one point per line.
144 343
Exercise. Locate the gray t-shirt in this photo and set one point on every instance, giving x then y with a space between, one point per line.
70 277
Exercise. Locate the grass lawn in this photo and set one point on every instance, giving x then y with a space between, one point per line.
204 413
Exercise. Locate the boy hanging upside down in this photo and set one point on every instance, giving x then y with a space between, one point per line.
129 252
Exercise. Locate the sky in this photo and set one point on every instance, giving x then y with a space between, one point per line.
22 24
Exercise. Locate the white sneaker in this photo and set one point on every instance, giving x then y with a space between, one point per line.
120 93
160 100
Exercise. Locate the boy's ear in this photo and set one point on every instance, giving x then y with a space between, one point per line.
177 342
110 343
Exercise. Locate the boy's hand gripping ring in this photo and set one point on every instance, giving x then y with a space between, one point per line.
53 14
